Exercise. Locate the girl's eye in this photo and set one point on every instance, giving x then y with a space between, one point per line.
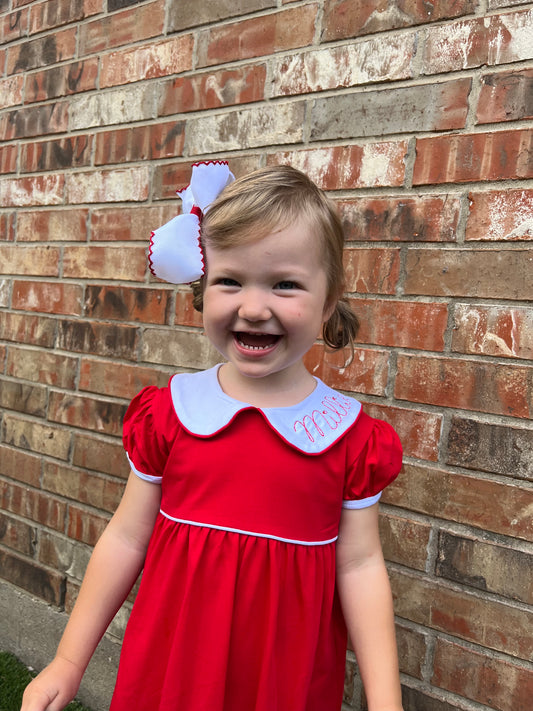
286 285
226 281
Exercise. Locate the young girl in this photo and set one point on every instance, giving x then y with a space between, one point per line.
252 502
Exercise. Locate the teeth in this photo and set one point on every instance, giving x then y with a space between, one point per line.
253 348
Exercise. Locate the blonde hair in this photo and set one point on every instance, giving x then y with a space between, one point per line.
273 198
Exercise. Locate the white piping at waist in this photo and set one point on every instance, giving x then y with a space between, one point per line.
248 533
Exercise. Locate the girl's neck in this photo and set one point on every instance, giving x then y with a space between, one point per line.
272 391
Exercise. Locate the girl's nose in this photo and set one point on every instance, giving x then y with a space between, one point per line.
254 306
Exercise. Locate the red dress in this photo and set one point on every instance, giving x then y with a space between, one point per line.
237 608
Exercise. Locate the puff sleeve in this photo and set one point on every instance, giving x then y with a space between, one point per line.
376 465
149 429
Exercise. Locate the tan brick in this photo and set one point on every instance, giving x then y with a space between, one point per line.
178 349
367 373
52 225
493 330
36 437
404 541
20 465
42 367
11 90
87 412
17 535
500 215
39 190
87 488
47 297
100 454
30 399
23 328
102 262
38 261
129 223
108 185
118 379
115 106
411 651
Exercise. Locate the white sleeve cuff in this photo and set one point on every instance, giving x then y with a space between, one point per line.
361 503
141 475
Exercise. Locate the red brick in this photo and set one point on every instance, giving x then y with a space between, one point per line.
503 215
476 157
423 218
505 97
213 89
8 158
42 367
498 683
38 190
481 503
411 652
132 25
98 338
47 297
85 525
22 397
187 15
491 274
401 324
348 167
118 379
140 143
22 328
17 535
86 412
465 384
129 223
98 262
404 541
371 271
14 25
128 304
7 226
63 80
488 622
186 314
277 32
100 454
41 52
157 59
43 583
419 432
493 330
487 40
343 18
34 121
72 152
56 13
33 505
52 225
367 373
98 491
37 261
20 465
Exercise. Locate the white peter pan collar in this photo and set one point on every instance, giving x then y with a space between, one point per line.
312 425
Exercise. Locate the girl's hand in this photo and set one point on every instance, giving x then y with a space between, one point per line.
53 688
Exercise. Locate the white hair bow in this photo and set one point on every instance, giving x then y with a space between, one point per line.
175 253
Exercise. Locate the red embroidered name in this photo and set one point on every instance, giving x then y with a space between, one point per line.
335 410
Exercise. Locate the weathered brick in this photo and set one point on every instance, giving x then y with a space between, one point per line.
211 90
404 541
491 274
276 32
33 505
8 158
503 215
484 565
187 15
102 262
108 186
425 107
48 297
135 25
88 412
343 18
36 437
17 535
502 626
52 225
411 650
129 223
30 399
495 448
72 152
417 700
37 261
117 106
178 349
505 97
85 525
43 583
368 165
265 125
490 40
186 314
352 65
11 90
421 218
14 25
42 366
38 190
401 324
20 465
140 143
49 49
99 338
34 121
371 271
498 683
63 80
128 304
56 13
367 373
100 454
118 379
7 226
465 384
159 59
474 157
493 330
22 328
63 555
87 488
481 503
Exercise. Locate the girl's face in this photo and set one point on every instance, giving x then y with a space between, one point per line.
264 304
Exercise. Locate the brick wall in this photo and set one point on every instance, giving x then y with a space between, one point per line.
417 116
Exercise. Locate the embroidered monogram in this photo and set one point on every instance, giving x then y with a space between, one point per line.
337 407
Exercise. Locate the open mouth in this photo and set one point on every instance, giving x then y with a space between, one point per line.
256 341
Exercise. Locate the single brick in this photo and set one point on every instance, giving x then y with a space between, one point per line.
33 505
72 152
114 379
21 397
17 535
11 90
411 650
99 338
100 454
495 448
43 583
101 262
47 297
484 565
35 121
187 15
22 328
178 348
63 80
85 525
13 25
130 184
20 465
49 49
506 96
30 191
86 412
129 223
98 491
404 541
140 143
186 314
140 23
37 261
52 225
55 13
127 304
500 215
371 271
117 106
42 366
503 331
8 158
417 700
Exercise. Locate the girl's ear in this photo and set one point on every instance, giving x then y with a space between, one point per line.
329 308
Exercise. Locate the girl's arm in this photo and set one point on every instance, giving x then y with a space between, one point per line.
115 564
366 599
